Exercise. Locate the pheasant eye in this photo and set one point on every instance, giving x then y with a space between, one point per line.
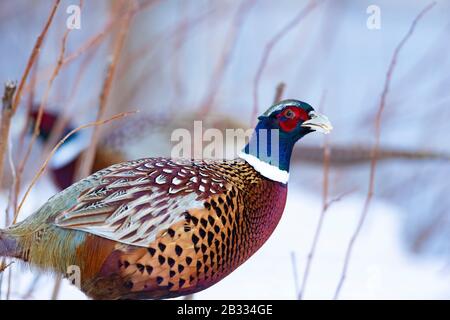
289 114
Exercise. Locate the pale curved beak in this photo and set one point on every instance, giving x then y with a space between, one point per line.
318 122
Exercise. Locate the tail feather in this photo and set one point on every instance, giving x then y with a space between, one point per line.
8 245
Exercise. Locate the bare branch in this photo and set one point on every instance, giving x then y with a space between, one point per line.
95 40
9 113
294 270
325 206
144 50
354 154
376 146
56 287
279 92
312 4
10 88
34 54
4 266
40 114
225 58
89 155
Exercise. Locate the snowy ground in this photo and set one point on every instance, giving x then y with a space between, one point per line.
380 267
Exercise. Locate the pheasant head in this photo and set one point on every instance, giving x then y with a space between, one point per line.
276 133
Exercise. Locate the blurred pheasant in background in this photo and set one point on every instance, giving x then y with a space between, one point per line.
159 228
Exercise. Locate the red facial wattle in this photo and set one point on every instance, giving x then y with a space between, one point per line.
290 118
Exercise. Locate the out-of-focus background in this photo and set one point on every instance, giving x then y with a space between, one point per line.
222 61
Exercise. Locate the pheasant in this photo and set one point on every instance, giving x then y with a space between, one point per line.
158 228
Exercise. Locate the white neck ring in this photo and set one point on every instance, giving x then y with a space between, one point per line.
267 170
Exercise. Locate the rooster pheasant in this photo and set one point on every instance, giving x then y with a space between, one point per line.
159 228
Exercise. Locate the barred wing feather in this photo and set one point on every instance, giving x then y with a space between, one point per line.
133 202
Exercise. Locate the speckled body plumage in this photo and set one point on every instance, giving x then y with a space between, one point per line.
160 228
235 211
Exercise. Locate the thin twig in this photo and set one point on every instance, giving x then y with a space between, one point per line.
58 280
175 31
279 92
312 4
89 155
179 40
294 270
4 266
325 206
351 155
34 54
325 189
225 58
30 104
8 292
14 175
10 88
40 114
325 203
44 165
376 146
2 262
32 287
131 59
94 41
63 119
56 287
9 113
